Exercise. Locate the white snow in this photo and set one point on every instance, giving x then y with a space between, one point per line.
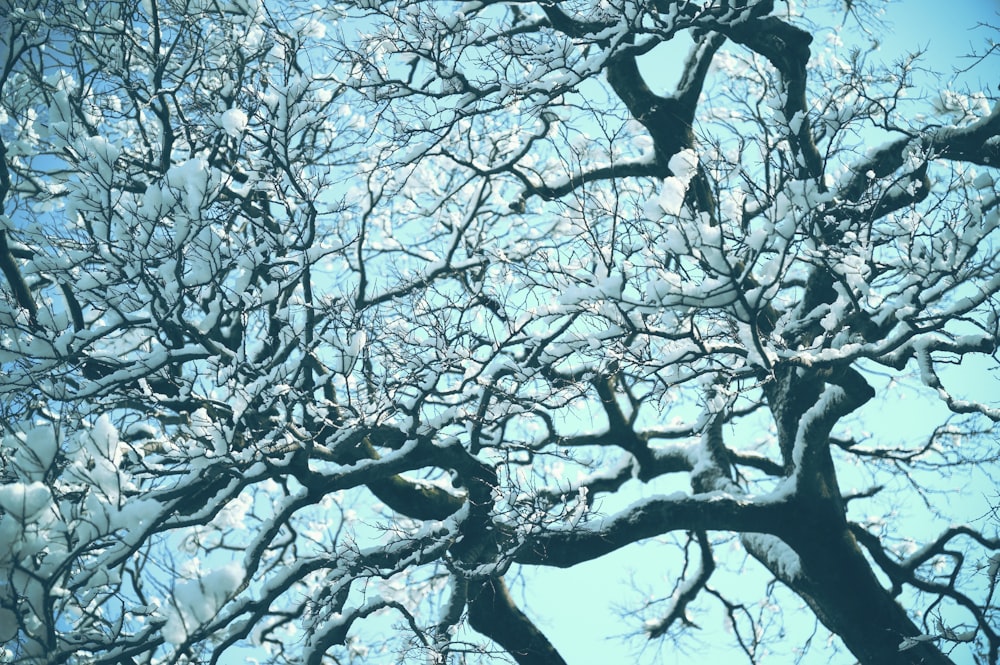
35 450
993 567
671 198
350 351
233 122
22 501
916 640
983 181
780 558
684 165
198 600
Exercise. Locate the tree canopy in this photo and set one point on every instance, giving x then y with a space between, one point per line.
321 324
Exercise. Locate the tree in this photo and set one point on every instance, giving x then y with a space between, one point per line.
317 316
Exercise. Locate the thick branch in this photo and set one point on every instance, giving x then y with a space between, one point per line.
787 48
709 512
862 613
493 613
669 120
965 144
22 295
413 499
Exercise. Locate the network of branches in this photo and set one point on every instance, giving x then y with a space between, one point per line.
322 324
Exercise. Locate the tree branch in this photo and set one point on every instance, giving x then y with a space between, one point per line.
493 613
709 512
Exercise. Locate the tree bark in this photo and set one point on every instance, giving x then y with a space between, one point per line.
837 582
493 613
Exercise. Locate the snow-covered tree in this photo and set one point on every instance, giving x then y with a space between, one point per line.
320 324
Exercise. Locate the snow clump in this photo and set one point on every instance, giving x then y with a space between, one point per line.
234 122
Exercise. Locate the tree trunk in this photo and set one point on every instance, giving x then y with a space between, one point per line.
838 583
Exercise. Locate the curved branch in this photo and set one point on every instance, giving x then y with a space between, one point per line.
688 590
406 497
575 181
669 120
787 48
965 144
22 295
715 511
